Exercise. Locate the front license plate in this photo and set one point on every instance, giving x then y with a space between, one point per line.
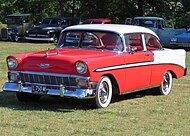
39 89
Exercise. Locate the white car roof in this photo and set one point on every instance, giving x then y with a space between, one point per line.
117 28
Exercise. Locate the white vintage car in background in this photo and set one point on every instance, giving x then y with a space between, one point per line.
96 61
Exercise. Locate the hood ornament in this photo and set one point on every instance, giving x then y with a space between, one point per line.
43 65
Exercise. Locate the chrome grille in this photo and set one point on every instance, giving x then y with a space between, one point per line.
4 34
44 79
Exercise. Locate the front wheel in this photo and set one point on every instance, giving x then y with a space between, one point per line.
14 38
103 92
166 85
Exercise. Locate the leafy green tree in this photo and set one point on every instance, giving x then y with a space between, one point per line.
117 10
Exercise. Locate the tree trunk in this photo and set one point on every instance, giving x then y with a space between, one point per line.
73 8
140 7
62 7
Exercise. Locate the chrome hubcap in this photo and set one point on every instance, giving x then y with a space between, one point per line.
166 82
103 92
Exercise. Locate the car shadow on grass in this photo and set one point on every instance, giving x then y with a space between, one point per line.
135 95
58 104
46 103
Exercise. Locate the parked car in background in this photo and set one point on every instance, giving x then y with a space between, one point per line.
181 40
163 28
50 28
97 21
17 24
96 62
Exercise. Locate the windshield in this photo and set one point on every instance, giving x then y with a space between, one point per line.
144 22
91 40
52 21
16 20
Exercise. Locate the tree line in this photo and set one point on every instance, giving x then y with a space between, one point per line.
117 10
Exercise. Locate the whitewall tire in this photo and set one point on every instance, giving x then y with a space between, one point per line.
166 85
103 92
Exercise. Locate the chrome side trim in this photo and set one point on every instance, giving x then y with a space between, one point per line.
123 66
39 39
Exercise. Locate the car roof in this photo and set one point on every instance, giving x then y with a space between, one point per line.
117 28
19 15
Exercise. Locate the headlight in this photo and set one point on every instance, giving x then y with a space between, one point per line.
48 32
173 39
81 67
12 63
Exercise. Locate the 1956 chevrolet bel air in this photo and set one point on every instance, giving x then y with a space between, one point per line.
96 61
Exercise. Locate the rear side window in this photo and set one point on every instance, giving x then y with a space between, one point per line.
152 43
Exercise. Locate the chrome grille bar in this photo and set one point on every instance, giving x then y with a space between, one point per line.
4 34
44 79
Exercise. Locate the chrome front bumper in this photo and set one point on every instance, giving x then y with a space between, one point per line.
62 92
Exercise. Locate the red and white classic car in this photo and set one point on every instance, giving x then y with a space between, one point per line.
96 61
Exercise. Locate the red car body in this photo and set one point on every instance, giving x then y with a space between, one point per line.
85 64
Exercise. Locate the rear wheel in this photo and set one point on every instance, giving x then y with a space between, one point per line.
166 85
27 97
103 92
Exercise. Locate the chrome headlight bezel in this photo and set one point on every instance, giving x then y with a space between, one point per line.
12 63
81 67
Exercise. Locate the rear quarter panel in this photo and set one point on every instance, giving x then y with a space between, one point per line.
168 60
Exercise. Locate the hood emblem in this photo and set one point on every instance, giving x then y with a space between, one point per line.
42 65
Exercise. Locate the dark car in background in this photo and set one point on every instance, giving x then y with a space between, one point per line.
17 24
181 40
50 28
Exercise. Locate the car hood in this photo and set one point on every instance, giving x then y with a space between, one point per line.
184 35
46 27
63 60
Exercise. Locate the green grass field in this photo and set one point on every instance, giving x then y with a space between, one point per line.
142 113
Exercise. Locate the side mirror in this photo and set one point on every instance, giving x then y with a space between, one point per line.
134 49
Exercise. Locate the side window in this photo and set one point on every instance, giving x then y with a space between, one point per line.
134 42
168 24
159 24
152 43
